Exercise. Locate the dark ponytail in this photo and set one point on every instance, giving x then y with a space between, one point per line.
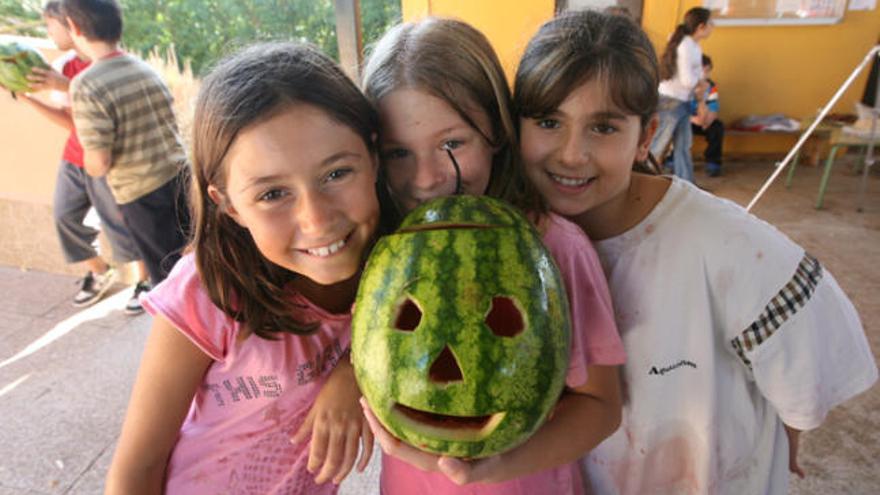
692 20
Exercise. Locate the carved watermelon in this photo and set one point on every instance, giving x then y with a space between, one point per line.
16 62
460 334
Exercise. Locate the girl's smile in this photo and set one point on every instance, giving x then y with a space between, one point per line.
570 184
328 249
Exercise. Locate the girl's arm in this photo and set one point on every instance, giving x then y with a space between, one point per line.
171 369
688 65
583 417
336 423
793 435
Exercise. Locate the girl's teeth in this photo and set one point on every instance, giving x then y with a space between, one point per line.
327 250
565 181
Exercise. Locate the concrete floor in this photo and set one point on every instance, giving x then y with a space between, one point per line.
65 374
840 457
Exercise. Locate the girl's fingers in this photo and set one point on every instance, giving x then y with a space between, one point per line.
454 469
367 452
304 430
351 452
392 446
318 449
379 432
335 450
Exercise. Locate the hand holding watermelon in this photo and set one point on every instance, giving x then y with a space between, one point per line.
17 60
460 471
42 79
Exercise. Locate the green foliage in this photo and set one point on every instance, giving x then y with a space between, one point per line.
203 31
21 17
376 17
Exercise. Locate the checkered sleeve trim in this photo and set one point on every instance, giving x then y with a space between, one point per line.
783 306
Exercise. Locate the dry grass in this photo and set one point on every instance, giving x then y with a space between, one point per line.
183 85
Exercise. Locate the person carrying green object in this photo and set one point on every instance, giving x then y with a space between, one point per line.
16 62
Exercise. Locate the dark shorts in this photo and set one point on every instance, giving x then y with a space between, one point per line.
159 223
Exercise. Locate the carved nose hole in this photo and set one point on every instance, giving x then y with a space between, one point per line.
408 317
504 318
445 368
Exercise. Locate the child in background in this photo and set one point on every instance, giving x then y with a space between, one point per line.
248 327
125 121
704 119
736 338
680 71
75 191
439 88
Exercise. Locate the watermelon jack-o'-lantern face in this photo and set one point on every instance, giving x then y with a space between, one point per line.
461 328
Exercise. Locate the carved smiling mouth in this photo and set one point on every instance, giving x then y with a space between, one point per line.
446 427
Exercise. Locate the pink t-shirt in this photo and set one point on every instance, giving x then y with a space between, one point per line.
256 393
594 341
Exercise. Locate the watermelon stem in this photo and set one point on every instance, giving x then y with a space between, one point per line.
457 171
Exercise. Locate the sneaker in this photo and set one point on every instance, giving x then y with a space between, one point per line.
93 287
133 306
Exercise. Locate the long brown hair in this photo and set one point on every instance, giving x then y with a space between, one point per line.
245 89
693 18
454 61
580 46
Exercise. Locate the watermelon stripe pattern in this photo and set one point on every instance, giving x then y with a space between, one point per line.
451 275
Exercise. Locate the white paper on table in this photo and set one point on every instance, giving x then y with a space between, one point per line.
715 4
862 5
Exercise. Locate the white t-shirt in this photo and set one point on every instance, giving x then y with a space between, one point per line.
728 326
688 71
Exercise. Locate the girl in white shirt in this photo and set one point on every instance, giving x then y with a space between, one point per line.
736 338
680 71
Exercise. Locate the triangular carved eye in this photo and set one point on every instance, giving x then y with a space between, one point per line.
505 318
408 316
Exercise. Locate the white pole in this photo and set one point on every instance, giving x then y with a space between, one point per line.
781 166
869 154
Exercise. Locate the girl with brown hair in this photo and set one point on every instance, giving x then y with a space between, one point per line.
248 327
736 338
440 90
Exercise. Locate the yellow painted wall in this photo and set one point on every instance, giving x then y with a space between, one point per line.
31 147
793 70
508 25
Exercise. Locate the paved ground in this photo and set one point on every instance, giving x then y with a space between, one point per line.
65 374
